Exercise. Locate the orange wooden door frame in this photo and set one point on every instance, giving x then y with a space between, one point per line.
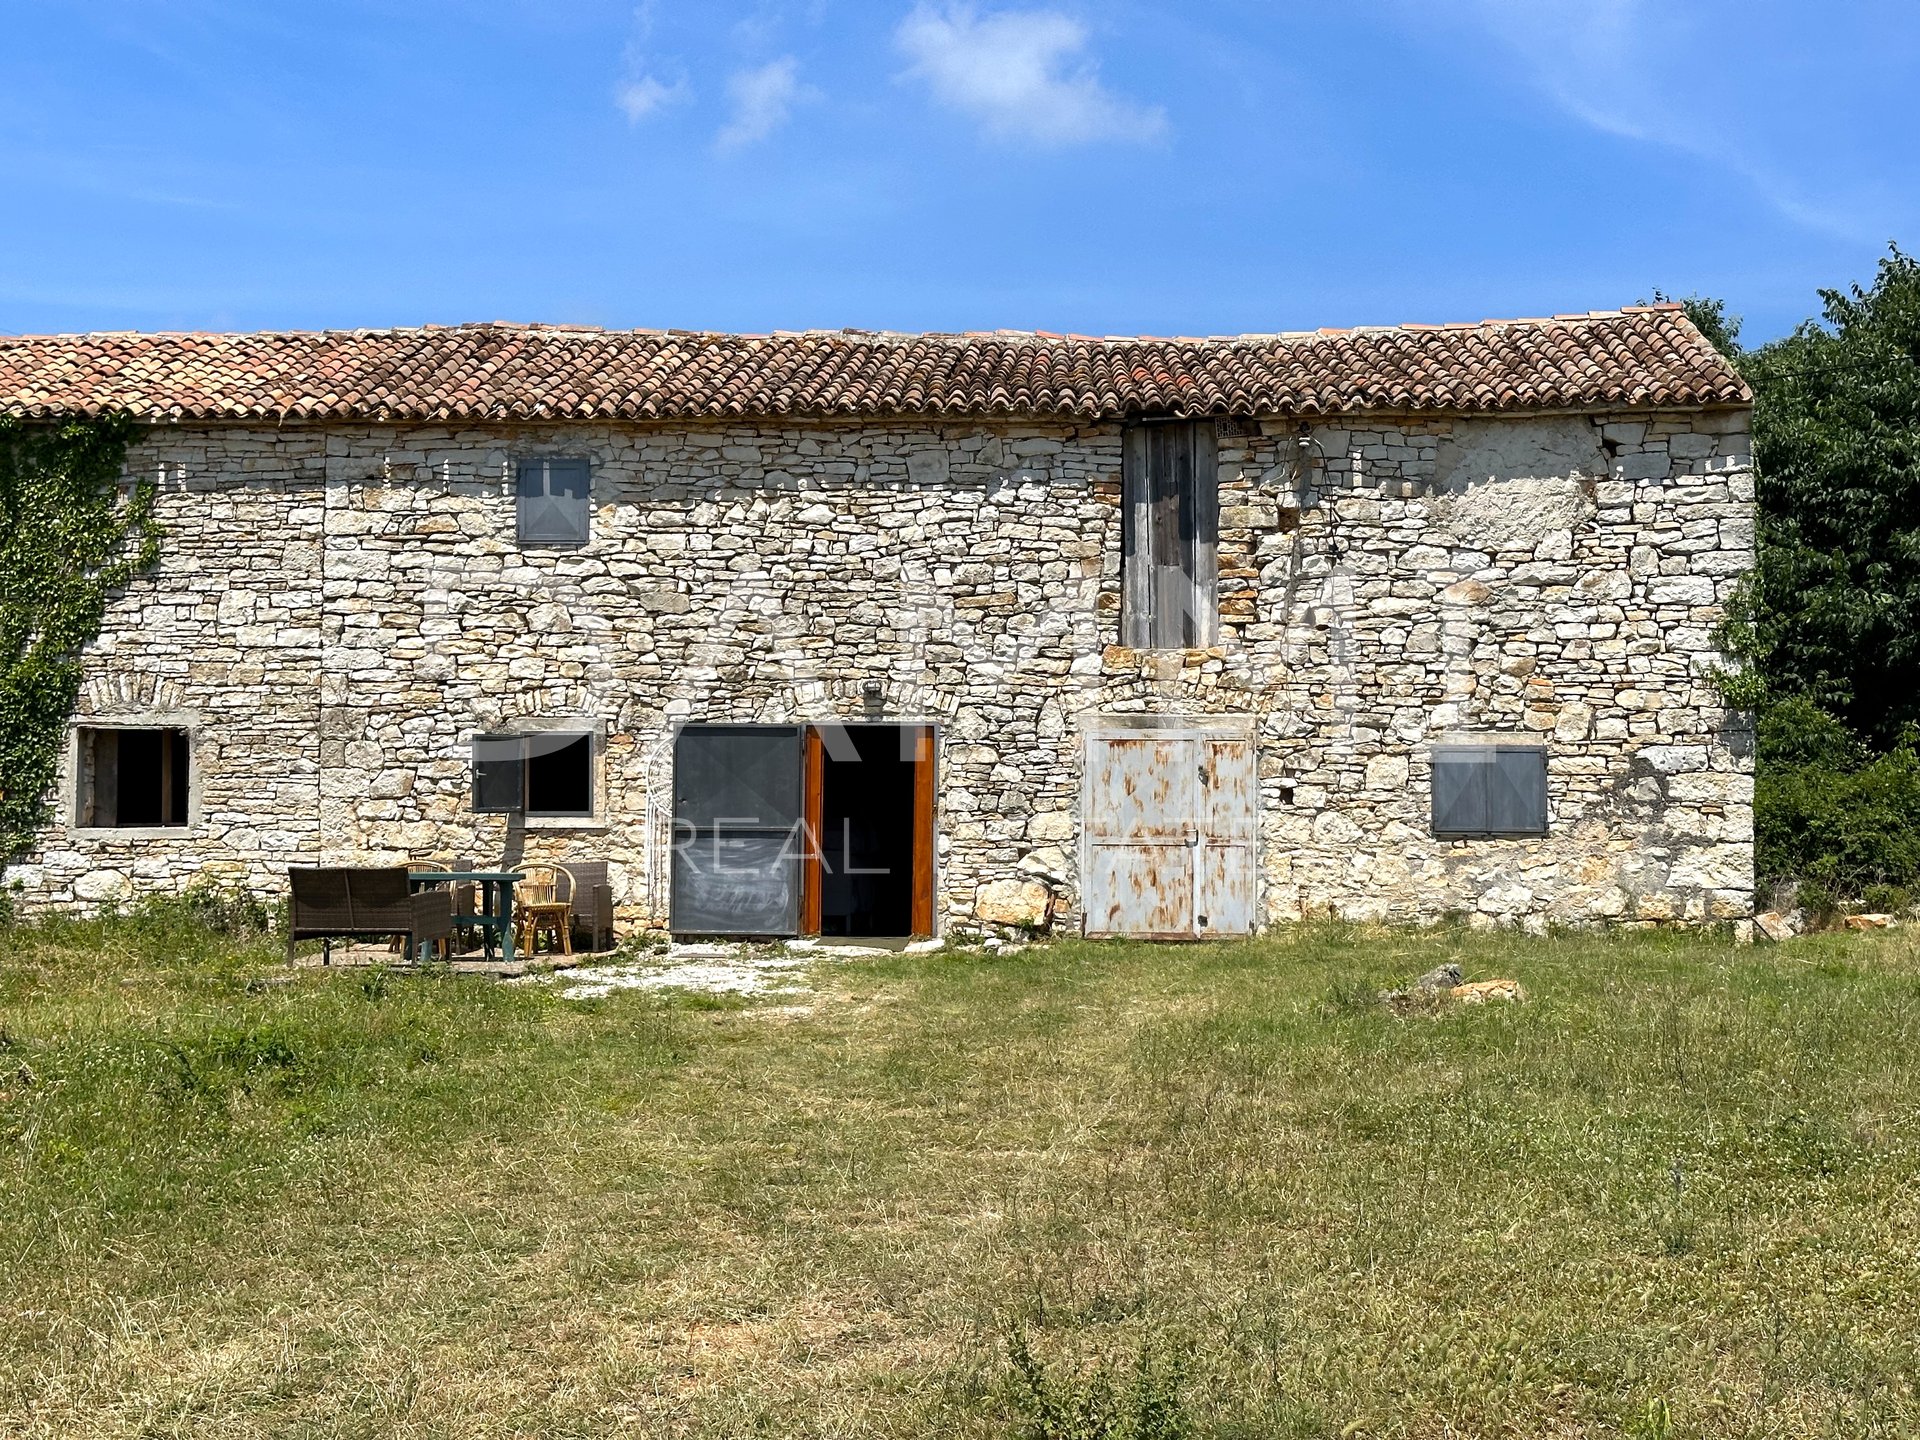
923 833
813 785
812 781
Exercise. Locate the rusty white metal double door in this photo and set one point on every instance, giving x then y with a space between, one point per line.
1169 834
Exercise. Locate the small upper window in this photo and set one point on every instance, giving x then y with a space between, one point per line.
1490 789
555 503
1169 533
134 777
547 774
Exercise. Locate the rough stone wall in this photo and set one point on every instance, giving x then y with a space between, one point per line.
225 639
1559 578
338 612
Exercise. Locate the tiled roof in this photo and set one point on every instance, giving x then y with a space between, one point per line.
1644 357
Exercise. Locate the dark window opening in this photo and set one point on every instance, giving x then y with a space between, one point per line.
867 860
1491 790
1170 525
135 777
541 775
560 775
555 503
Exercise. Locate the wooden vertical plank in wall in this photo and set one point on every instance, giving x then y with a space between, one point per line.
1171 479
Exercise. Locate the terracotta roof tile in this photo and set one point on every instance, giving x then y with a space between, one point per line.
1647 357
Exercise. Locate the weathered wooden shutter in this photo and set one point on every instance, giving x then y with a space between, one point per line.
499 774
737 847
1169 536
1169 835
555 505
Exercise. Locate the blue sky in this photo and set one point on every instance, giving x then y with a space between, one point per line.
1178 168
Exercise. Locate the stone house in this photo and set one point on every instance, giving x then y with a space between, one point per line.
878 634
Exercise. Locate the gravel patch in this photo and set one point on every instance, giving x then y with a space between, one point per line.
713 968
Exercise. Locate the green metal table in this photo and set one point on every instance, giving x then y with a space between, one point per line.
496 903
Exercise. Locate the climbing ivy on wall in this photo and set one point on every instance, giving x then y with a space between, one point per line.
69 537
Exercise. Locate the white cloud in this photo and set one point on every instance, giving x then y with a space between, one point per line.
640 96
1022 74
1634 69
1587 55
763 99
641 91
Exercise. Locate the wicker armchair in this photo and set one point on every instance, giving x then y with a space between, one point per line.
342 903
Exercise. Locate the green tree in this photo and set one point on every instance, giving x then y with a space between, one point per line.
1831 612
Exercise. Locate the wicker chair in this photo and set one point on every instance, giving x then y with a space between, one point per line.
344 903
589 891
541 908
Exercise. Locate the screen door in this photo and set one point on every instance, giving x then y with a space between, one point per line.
737 841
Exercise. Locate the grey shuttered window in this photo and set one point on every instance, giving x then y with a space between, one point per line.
499 785
737 846
548 774
555 501
1489 790
1170 523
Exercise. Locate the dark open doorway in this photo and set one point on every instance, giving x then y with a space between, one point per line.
867 830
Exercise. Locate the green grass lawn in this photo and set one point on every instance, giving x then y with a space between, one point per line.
1677 1193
